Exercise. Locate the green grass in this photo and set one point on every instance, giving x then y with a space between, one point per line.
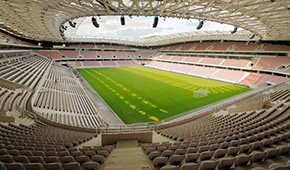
140 94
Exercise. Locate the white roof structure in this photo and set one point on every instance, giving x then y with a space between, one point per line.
42 20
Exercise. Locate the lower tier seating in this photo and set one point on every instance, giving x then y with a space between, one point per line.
41 146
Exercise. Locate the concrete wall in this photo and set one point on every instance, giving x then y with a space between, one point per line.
109 139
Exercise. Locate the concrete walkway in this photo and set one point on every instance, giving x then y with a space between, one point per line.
103 109
127 155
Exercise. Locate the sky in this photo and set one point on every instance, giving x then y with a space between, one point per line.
141 27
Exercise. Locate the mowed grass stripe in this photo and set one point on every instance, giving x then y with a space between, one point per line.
139 94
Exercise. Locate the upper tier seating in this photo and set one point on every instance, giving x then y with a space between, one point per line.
236 63
109 63
192 59
105 54
52 54
225 46
269 63
211 61
241 46
177 58
85 46
270 47
175 47
226 75
126 63
123 55
144 54
26 70
88 54
187 46
62 99
203 46
222 46
91 63
69 54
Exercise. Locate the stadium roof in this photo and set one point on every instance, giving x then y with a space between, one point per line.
42 20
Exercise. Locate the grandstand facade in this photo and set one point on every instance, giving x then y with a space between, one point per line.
51 118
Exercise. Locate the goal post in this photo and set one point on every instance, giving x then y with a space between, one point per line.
200 93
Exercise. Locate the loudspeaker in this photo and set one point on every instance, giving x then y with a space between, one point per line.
155 22
122 20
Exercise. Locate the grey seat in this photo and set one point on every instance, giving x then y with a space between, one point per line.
71 166
267 143
257 157
224 145
53 166
15 166
225 163
91 165
154 154
235 143
34 166
208 165
278 166
214 147
36 159
67 159
233 151
284 150
169 167
2 166
82 158
242 160
105 153
51 159
98 158
160 161
220 153
176 159
192 157
167 153
189 166
179 152
245 148
206 155
6 158
22 159
191 150
272 153
203 149
257 146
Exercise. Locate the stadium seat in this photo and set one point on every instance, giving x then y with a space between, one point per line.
160 161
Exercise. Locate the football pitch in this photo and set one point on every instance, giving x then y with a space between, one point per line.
141 94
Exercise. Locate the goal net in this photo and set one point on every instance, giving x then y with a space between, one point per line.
200 93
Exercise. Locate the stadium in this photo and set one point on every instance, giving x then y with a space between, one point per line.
76 95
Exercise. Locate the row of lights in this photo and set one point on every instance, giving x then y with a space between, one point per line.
155 23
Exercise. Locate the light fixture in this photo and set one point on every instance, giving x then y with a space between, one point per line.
235 30
122 20
199 25
95 23
155 23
